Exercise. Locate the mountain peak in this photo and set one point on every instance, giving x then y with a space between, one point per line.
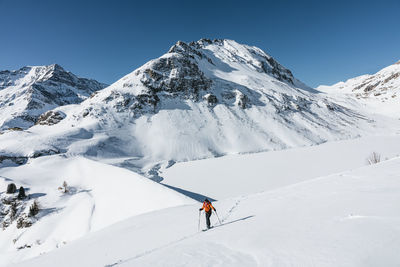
32 90
232 51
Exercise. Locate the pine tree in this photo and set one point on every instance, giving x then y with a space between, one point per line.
21 193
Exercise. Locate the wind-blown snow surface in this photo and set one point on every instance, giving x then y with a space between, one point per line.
379 92
200 100
235 175
346 219
99 196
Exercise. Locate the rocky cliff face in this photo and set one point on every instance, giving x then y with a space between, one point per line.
199 71
27 93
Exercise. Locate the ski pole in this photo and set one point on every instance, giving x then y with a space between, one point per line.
198 227
218 218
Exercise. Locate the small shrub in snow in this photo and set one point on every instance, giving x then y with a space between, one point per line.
13 210
64 187
11 188
34 209
374 158
24 222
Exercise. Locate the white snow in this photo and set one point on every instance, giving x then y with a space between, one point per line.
379 93
345 219
100 195
235 175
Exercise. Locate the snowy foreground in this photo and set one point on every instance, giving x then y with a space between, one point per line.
335 212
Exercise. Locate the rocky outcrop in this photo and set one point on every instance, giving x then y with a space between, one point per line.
176 75
211 99
50 118
242 100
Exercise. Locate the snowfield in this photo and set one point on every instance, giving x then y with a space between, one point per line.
261 200
345 219
235 175
99 196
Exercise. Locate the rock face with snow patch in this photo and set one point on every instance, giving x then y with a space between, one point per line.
373 90
30 91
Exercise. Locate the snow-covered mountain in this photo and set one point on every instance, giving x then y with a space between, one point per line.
199 100
379 91
27 93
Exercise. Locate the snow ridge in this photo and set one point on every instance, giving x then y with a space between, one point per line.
373 90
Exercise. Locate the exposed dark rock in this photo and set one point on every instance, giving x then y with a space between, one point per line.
211 99
15 159
371 87
277 70
45 152
15 129
50 118
242 100
177 75
393 76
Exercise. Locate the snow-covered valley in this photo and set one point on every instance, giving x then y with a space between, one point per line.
119 172
345 219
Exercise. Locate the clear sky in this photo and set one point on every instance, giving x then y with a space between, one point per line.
322 42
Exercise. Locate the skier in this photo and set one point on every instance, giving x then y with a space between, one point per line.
207 206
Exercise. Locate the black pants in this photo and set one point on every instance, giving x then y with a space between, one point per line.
208 215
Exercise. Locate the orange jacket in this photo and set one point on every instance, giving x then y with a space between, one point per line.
207 206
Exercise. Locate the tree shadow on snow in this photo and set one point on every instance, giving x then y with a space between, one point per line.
36 195
47 211
193 195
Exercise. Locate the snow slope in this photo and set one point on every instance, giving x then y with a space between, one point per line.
99 195
379 92
345 219
199 100
235 175
27 93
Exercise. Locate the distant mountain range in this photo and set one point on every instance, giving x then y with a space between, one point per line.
27 93
373 90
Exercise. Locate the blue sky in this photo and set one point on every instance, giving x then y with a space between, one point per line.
322 42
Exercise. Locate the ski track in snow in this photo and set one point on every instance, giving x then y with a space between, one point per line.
228 214
231 210
92 211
